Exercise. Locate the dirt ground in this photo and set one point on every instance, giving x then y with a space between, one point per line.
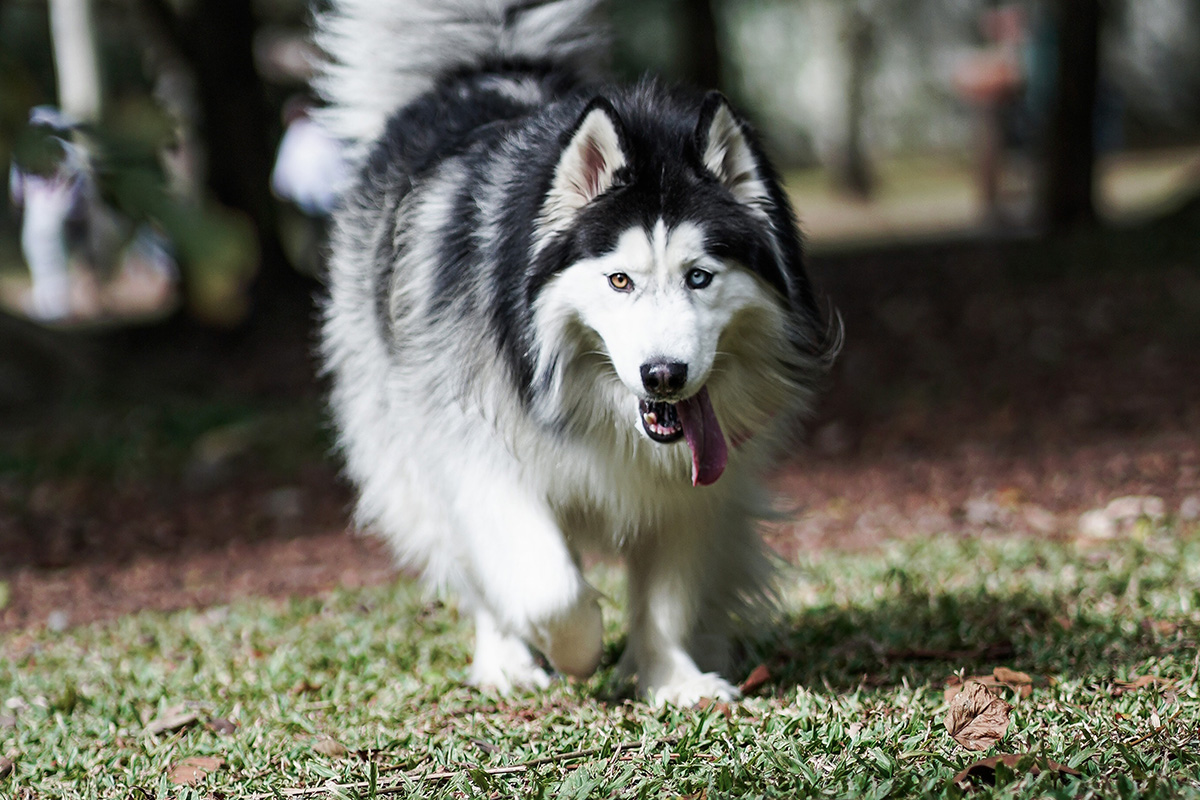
971 397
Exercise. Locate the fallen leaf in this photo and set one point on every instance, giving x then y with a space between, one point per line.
977 719
330 747
1021 682
1161 626
6 767
1011 676
192 771
984 770
221 726
721 706
757 677
172 719
1119 688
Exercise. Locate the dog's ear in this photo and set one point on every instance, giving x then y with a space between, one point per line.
587 168
726 152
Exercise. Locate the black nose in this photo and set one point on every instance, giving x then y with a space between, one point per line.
664 378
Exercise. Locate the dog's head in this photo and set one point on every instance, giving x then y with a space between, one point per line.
671 252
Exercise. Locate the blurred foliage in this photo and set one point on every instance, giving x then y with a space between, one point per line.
214 245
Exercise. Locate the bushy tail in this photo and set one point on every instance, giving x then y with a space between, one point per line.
383 53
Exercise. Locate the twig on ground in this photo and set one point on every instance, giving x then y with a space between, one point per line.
441 775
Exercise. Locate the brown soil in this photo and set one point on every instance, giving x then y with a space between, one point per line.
967 399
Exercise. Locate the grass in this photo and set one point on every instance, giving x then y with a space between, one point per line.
358 695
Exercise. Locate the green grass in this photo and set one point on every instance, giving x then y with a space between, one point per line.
854 706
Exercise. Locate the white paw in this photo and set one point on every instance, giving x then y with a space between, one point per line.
574 643
503 662
690 691
507 677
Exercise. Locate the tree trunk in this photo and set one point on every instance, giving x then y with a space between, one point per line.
1069 158
237 128
73 31
852 170
701 51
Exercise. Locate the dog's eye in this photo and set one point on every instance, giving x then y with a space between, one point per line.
620 281
698 278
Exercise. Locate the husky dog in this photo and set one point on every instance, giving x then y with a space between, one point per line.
563 315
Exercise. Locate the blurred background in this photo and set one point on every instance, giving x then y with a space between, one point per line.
1000 199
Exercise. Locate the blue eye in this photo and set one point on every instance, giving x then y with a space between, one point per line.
698 278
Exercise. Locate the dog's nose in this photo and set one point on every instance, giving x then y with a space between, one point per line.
664 378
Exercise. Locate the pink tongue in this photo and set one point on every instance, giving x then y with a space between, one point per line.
704 436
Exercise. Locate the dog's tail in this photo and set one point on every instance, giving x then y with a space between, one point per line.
380 54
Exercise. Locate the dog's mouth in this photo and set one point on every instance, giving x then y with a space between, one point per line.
661 421
694 419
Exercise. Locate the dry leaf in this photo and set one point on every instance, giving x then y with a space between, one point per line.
985 770
330 747
6 766
192 771
977 718
757 677
1021 682
1119 688
719 705
173 719
221 726
1011 677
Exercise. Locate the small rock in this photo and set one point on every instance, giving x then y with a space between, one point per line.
1040 519
1189 509
58 621
1120 515
1131 508
984 512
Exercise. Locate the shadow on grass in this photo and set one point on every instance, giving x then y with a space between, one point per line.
922 639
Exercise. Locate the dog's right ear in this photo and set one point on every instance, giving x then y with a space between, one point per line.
587 168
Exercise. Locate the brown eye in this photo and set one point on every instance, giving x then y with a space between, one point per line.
620 281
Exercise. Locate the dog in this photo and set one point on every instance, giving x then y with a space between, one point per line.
563 315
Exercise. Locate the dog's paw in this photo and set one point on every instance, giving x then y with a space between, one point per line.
504 663
690 691
574 643
508 677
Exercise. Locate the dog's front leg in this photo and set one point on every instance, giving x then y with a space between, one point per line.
668 575
526 587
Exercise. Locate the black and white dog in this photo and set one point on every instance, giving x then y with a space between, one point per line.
563 315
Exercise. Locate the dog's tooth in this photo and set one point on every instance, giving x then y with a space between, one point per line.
651 418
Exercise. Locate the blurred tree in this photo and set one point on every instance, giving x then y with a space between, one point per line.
852 169
215 38
75 62
1070 138
701 52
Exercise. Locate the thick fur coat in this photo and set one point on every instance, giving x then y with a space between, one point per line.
563 315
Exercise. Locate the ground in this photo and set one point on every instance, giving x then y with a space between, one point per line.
974 395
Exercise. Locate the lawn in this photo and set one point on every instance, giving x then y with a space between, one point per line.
358 694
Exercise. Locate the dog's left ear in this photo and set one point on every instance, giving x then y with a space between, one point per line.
726 153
